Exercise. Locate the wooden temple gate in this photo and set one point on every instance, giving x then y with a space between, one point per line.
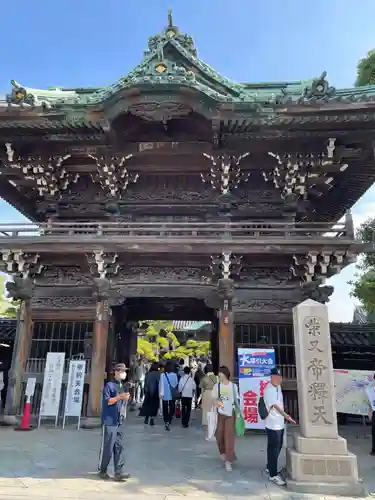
175 193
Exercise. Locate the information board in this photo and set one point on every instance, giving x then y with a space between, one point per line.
52 381
254 366
74 390
350 391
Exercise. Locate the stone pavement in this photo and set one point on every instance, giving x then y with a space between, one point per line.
179 465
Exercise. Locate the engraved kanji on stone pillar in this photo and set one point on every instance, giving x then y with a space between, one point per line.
24 267
102 266
319 461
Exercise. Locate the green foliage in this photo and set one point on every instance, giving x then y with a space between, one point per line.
364 290
366 70
363 287
163 343
8 308
145 350
173 340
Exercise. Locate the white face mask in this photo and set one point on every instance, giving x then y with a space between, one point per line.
122 375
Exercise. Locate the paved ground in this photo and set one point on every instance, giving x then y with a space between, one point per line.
178 465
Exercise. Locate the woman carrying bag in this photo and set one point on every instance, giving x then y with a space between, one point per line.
225 394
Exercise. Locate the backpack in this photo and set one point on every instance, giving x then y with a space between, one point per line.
262 408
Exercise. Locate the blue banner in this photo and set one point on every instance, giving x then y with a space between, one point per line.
255 362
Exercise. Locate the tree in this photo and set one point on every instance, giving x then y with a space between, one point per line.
366 70
8 308
364 290
363 287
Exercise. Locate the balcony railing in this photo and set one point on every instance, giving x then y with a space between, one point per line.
155 230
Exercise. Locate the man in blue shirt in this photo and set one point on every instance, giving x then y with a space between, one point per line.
116 394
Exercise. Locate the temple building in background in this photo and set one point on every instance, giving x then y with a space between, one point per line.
176 193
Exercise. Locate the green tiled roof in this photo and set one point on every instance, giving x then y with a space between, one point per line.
171 60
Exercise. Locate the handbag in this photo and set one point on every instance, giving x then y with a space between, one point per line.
212 423
239 421
175 393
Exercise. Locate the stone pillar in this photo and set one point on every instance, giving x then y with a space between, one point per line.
319 461
21 352
226 326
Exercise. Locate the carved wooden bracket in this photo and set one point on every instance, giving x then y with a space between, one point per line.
48 173
225 173
112 174
226 265
102 264
297 174
318 266
20 288
20 264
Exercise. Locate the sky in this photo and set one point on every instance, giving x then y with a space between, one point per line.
93 43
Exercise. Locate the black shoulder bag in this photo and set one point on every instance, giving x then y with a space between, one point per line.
175 393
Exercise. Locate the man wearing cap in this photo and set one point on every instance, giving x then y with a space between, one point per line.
115 398
275 424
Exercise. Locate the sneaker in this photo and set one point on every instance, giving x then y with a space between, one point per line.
277 480
167 427
228 467
121 477
104 475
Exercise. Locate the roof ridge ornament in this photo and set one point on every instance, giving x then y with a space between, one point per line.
319 89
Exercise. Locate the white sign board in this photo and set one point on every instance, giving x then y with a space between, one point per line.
52 381
350 391
254 366
30 387
74 391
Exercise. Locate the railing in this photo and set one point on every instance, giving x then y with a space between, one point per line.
152 230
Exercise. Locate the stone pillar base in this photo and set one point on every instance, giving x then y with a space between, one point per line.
9 420
323 468
91 423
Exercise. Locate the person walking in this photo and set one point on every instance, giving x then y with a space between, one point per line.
225 394
116 395
198 376
187 389
275 425
167 389
151 400
207 402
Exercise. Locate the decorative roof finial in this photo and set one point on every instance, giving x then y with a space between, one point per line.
170 20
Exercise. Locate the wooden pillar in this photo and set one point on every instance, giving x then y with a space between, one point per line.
226 337
98 362
21 353
227 343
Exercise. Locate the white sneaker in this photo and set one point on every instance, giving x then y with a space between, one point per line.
277 480
228 467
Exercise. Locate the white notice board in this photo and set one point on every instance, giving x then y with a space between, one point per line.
74 391
52 381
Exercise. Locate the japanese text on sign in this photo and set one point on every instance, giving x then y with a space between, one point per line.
74 395
316 370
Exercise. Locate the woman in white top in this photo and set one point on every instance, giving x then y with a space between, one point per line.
187 389
225 394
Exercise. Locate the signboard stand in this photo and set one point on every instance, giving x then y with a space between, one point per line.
52 382
254 366
74 391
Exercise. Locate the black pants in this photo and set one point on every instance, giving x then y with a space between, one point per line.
168 411
186 411
274 445
373 431
112 444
